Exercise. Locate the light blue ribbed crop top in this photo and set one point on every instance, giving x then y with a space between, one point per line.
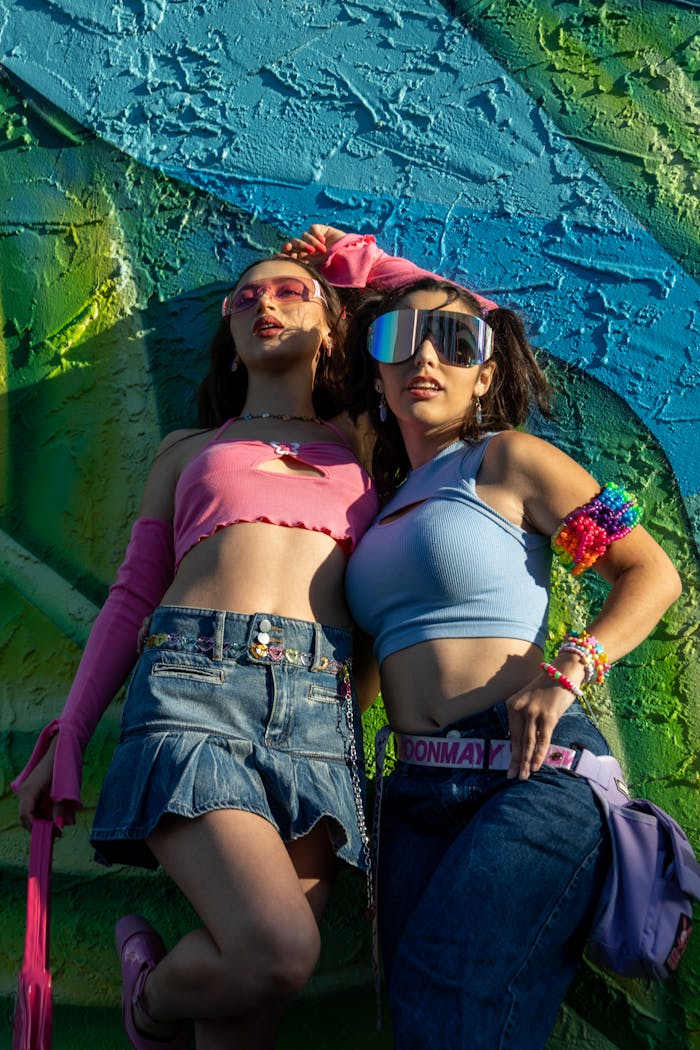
450 567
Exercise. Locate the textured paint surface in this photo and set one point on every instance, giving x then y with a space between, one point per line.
308 130
150 151
621 81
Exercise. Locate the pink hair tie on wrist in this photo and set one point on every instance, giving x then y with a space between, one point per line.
558 676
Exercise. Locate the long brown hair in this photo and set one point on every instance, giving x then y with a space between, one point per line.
518 386
222 392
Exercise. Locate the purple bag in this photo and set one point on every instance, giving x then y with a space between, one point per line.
644 917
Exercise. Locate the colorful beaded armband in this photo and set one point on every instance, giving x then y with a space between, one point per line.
557 675
586 533
591 653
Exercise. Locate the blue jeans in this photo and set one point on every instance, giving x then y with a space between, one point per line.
486 890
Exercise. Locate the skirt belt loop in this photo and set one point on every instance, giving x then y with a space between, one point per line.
317 651
219 628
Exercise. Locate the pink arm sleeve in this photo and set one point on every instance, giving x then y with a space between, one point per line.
356 261
110 654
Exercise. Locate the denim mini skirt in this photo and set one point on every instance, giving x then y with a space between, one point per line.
229 711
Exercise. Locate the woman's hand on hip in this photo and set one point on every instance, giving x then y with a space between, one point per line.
533 712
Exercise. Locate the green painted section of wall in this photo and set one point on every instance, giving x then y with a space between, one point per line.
621 81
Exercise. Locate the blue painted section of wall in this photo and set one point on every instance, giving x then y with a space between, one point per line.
394 120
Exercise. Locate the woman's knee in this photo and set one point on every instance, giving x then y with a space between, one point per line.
277 960
291 958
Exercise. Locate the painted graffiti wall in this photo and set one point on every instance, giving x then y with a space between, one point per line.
544 152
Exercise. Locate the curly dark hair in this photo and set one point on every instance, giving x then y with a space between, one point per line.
222 393
518 386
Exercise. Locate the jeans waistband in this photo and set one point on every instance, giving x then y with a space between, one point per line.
263 637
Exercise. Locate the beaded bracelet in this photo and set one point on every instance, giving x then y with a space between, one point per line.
557 675
590 669
587 532
591 652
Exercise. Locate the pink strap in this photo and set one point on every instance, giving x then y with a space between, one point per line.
109 656
338 432
218 433
36 946
33 1017
356 261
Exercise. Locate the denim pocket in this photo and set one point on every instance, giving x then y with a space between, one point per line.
188 671
175 689
322 695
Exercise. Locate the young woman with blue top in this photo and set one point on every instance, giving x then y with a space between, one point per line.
239 767
491 853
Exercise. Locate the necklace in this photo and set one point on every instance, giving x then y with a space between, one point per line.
272 415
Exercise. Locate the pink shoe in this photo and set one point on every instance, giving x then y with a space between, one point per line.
140 949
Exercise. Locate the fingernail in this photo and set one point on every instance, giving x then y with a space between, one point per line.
310 249
287 246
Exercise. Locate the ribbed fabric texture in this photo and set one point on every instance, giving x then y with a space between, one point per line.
450 567
227 483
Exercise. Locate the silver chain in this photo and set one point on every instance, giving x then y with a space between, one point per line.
359 805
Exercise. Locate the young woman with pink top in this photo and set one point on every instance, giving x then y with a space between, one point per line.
239 767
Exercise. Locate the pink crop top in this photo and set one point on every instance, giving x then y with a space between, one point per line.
227 483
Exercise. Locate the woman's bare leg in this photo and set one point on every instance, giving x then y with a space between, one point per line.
315 864
260 902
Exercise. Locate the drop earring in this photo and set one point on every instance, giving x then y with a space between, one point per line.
478 414
383 407
234 363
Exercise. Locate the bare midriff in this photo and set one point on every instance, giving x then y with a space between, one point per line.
433 683
254 567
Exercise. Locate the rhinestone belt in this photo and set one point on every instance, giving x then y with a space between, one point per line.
260 650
